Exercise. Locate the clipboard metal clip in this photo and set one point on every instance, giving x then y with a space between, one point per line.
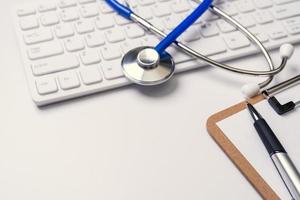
275 104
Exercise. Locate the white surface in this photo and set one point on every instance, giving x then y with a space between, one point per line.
246 139
128 144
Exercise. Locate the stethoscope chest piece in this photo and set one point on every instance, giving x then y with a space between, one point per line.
144 66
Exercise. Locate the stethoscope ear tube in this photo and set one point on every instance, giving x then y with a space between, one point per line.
272 70
147 25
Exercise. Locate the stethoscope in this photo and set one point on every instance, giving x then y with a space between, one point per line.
147 65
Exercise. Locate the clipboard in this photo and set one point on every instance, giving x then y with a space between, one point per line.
233 153
228 144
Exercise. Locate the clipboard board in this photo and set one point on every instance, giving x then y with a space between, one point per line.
233 153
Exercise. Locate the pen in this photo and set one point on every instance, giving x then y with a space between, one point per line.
279 156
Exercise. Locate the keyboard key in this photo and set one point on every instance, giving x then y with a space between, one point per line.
224 26
178 55
94 39
263 17
24 11
208 16
129 45
69 14
54 64
263 4
90 75
121 20
245 6
112 70
38 36
276 31
180 6
134 31
132 3
170 22
110 52
228 8
84 27
68 80
262 37
46 7
105 8
44 50
217 2
280 2
161 10
49 18
28 22
86 1
158 24
246 20
104 22
46 86
114 35
144 12
89 10
150 41
66 3
74 44
292 25
146 2
210 46
236 40
191 34
89 57
286 11
209 29
63 30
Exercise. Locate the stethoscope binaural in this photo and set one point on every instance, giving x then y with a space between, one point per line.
153 65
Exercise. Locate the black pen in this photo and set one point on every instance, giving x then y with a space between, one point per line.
279 156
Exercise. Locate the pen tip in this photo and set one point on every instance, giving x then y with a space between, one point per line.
253 112
249 105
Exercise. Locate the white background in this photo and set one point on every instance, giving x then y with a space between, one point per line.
127 144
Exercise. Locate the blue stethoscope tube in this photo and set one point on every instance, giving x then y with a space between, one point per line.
173 35
186 23
119 8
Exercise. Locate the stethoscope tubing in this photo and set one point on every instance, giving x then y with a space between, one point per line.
185 24
147 25
120 8
129 14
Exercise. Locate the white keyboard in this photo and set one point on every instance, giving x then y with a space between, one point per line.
72 48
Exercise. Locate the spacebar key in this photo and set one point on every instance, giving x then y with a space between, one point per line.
44 50
54 64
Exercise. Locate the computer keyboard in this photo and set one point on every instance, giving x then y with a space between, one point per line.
73 48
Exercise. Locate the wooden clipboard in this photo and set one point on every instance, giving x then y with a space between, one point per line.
233 153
